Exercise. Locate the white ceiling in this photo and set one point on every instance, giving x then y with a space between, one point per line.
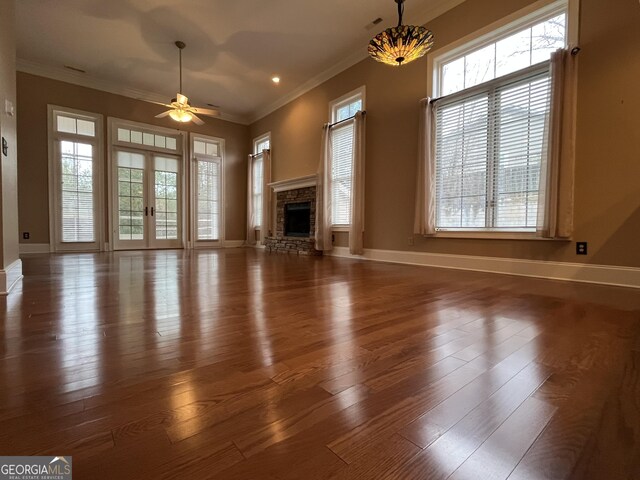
234 47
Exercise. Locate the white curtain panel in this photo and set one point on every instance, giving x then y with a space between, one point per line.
267 194
323 194
555 200
251 233
356 228
424 222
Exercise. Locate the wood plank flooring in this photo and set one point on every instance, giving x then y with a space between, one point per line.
238 364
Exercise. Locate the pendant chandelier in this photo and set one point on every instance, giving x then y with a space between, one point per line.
402 44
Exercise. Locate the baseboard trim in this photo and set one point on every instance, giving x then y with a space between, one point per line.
233 243
10 276
571 272
26 248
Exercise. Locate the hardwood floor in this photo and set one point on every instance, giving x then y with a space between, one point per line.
237 364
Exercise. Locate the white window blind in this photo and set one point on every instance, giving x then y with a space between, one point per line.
208 200
489 145
341 173
257 172
77 191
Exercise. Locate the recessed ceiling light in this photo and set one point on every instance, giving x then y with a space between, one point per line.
275 79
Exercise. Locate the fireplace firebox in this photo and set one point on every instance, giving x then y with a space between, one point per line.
297 219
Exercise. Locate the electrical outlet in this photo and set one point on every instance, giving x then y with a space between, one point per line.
581 248
410 240
25 235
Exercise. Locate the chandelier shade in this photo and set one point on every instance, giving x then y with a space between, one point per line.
402 44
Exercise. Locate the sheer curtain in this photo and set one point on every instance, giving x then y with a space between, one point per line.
251 231
323 194
424 222
265 228
356 228
555 200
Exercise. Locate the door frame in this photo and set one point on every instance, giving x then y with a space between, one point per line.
55 215
113 146
193 172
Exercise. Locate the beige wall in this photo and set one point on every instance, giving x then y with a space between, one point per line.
607 196
8 170
35 93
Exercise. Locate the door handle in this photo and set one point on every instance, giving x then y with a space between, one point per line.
152 211
146 211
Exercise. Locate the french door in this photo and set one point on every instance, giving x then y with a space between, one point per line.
147 199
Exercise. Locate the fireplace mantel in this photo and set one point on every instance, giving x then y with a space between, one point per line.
294 183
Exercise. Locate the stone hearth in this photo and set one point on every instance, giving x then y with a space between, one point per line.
281 243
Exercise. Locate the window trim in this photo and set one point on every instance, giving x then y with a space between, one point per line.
518 20
55 206
193 169
334 106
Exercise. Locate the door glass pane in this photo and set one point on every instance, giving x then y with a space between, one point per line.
166 198
208 205
77 192
130 196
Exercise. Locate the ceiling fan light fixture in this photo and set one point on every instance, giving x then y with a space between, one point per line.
402 44
180 115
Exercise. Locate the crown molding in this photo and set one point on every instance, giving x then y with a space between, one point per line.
84 80
431 11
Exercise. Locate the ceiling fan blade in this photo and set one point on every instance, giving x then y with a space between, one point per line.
206 111
181 99
164 114
168 105
196 120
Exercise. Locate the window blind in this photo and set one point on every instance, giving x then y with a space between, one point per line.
208 204
76 190
341 166
489 145
257 190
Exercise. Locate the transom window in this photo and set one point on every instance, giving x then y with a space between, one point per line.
342 155
514 52
262 143
138 137
490 127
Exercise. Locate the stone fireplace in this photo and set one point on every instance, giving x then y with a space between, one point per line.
295 217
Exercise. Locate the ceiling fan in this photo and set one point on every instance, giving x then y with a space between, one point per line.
179 108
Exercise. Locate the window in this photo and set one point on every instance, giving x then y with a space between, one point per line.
490 125
147 139
262 143
75 166
257 171
208 153
342 155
